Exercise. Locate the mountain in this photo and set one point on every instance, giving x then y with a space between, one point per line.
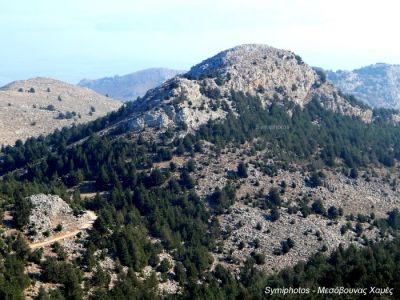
202 94
247 173
376 85
38 106
130 86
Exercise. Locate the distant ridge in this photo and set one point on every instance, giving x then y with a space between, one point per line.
129 87
377 85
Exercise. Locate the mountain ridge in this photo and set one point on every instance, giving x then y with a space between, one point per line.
378 85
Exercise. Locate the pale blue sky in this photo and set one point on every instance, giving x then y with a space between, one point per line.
75 39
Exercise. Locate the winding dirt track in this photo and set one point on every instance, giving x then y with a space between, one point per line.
67 234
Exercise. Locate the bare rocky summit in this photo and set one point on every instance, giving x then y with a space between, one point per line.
272 74
29 108
377 85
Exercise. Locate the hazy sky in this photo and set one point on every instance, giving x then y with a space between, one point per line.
76 39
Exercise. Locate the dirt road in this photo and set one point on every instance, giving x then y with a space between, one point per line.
92 217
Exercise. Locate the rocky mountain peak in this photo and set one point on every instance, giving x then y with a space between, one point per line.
260 69
242 57
273 75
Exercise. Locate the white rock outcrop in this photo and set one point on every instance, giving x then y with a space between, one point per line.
49 211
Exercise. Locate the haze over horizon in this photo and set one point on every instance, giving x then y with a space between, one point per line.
71 40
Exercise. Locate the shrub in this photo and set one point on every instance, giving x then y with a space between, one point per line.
318 207
212 93
58 228
343 229
290 243
321 74
315 179
241 245
274 197
50 107
36 255
242 170
353 173
275 215
285 247
259 258
299 59
333 213
221 200
260 89
164 266
359 229
258 226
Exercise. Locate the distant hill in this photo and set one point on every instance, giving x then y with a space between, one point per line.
129 87
377 85
40 105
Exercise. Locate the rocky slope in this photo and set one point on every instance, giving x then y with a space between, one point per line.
40 105
246 222
129 87
377 85
272 74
